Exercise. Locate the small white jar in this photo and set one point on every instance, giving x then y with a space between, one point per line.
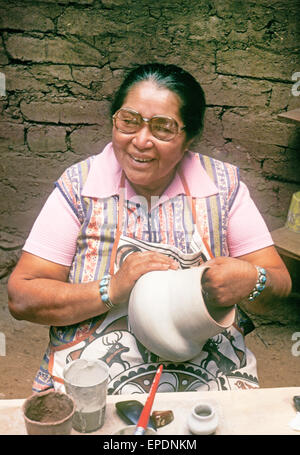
203 419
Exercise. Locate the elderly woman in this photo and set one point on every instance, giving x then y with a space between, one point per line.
146 203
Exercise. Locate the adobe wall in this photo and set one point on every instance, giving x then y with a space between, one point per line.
63 60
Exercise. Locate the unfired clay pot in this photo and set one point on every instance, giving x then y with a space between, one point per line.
168 315
47 413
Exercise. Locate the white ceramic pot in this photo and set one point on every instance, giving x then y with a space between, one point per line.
203 419
168 315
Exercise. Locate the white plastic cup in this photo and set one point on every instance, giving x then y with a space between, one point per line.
86 381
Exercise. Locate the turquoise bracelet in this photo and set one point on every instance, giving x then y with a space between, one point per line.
260 283
103 289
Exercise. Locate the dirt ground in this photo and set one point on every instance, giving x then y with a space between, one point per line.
25 343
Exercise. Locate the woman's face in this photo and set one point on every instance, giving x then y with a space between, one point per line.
149 163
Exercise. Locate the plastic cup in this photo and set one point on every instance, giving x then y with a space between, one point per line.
86 381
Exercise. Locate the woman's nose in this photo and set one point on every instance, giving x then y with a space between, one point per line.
143 138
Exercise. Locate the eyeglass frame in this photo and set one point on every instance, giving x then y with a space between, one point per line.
148 120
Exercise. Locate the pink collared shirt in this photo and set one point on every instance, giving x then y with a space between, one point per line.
56 241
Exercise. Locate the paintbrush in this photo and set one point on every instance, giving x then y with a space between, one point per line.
145 414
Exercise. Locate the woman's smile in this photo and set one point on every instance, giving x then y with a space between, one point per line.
141 160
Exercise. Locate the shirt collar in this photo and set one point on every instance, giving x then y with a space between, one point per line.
105 175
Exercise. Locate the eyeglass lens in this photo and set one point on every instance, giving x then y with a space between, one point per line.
129 122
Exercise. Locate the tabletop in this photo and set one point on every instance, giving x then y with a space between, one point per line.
241 412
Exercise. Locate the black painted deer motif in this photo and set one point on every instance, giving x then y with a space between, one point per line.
241 355
224 364
115 350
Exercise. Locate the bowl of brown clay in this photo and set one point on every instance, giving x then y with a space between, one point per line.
48 412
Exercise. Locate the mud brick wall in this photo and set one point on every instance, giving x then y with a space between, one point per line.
62 61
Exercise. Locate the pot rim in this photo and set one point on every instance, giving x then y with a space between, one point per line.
68 366
204 405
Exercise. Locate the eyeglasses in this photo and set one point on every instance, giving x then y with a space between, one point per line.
129 121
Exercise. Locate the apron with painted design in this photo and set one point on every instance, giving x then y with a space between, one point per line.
224 362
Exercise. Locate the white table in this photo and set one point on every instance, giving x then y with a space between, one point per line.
241 412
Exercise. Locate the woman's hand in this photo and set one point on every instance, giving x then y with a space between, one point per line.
134 266
228 281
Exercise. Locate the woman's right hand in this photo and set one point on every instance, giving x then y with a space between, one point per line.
134 266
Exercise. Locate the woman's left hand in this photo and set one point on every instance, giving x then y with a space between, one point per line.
228 281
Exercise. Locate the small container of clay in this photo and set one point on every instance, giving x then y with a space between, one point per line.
48 413
203 419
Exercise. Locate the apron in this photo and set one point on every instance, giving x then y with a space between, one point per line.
223 364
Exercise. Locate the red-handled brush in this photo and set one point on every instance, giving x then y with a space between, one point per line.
145 414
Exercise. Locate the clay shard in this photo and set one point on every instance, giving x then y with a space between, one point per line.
162 418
